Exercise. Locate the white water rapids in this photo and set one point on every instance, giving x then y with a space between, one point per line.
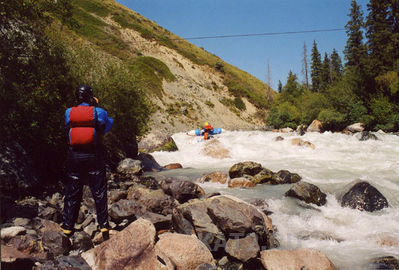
350 238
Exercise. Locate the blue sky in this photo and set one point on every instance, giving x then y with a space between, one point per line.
193 18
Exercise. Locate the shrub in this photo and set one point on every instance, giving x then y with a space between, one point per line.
239 103
283 115
332 120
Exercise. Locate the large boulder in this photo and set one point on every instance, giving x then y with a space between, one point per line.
10 232
156 141
17 177
132 248
149 163
285 177
363 196
196 212
295 259
157 201
315 126
237 218
264 176
182 190
245 168
28 244
307 192
186 252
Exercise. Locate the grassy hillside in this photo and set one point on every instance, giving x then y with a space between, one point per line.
89 22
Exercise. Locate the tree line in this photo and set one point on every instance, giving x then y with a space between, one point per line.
363 89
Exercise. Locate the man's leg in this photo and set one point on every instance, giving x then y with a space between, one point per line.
72 200
98 187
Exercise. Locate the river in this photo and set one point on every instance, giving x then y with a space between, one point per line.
350 238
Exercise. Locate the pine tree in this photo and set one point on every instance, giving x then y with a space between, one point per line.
379 36
336 66
394 22
355 50
292 86
280 86
325 73
315 73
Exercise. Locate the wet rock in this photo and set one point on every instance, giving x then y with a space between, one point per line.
137 238
65 263
240 182
243 249
182 190
173 166
307 192
315 126
136 191
366 135
260 204
299 142
245 168
12 258
225 264
301 130
56 242
385 263
264 176
215 149
357 127
10 232
149 163
215 177
278 139
363 196
284 177
184 251
17 177
44 225
295 259
81 241
125 209
128 167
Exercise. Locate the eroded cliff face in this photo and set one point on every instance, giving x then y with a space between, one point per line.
197 95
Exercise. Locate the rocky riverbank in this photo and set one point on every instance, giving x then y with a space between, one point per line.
169 224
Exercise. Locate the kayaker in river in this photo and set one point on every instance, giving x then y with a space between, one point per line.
206 130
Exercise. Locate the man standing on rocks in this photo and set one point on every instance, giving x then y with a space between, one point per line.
86 125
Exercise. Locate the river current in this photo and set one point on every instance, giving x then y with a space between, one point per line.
350 238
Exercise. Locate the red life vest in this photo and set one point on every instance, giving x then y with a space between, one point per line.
82 124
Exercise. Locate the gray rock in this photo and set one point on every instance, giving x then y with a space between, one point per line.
129 167
56 242
366 135
307 192
65 263
27 244
363 196
125 209
243 249
10 232
357 127
81 241
182 190
50 213
149 163
154 141
385 263
278 139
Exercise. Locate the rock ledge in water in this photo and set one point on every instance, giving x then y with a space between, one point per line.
363 196
307 192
